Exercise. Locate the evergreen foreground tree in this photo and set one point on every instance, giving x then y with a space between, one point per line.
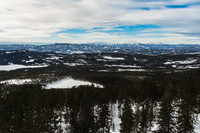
127 117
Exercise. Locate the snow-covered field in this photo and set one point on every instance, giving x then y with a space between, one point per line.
16 66
131 66
69 83
73 64
113 58
131 70
63 83
181 62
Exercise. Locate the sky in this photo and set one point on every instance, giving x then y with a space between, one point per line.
114 21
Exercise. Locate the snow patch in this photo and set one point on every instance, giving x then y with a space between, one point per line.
131 70
31 60
197 126
16 81
130 66
113 58
73 64
54 58
181 62
103 71
101 60
116 118
188 67
16 66
69 83
9 52
76 52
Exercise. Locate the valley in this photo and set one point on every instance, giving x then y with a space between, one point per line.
105 92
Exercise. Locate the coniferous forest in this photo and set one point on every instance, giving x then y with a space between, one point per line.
136 102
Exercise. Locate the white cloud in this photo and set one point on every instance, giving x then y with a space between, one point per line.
143 38
36 20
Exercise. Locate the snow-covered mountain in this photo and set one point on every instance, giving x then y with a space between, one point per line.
134 48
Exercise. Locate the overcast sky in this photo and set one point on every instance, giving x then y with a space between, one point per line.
117 21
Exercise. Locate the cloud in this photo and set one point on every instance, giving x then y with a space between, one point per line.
42 20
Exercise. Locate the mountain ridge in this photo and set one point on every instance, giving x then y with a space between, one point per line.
134 48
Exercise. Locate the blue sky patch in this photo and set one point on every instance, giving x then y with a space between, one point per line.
115 30
177 6
183 6
73 31
131 29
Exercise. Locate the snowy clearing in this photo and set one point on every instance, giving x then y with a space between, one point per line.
123 66
131 70
16 66
103 71
73 64
69 83
181 62
113 58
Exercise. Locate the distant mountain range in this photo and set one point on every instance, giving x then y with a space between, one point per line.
134 48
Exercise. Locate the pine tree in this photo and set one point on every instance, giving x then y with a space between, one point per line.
127 117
